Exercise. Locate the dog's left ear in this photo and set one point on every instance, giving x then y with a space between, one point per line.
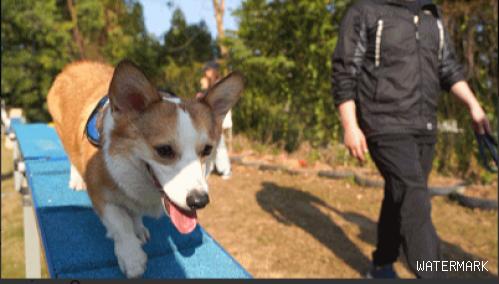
225 94
130 91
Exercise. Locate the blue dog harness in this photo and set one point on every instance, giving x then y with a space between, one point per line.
91 130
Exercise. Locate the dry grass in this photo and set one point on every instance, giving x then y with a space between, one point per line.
277 225
12 223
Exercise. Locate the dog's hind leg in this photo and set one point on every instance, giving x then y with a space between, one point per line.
132 259
76 182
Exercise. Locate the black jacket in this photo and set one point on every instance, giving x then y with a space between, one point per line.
394 64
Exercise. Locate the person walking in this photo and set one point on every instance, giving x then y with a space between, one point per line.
392 59
221 163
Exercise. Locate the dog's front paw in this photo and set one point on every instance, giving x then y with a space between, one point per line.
142 233
78 185
76 182
131 259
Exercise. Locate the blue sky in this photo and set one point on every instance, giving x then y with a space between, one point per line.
157 15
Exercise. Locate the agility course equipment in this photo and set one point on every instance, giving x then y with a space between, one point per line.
73 237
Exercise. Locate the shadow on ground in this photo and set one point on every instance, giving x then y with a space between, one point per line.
449 251
292 206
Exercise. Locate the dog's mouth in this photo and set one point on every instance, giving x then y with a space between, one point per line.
184 220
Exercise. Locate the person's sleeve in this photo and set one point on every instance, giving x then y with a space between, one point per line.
348 56
450 70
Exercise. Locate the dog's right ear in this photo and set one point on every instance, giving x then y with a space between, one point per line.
130 91
224 95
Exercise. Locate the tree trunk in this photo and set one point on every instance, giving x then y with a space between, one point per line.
76 32
219 8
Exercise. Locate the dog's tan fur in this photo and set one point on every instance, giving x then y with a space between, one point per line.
71 99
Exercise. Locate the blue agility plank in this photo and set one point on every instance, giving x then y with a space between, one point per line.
208 261
38 141
76 246
49 185
14 121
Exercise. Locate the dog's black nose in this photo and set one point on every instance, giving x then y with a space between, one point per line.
197 199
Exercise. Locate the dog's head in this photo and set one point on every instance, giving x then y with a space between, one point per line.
172 138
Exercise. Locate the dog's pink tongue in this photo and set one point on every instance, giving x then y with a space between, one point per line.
185 222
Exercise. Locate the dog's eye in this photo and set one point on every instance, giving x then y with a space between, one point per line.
165 151
207 150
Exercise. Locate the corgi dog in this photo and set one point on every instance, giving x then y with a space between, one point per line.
151 153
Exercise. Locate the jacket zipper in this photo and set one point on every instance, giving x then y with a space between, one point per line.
377 52
440 39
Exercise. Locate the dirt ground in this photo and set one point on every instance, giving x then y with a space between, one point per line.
279 225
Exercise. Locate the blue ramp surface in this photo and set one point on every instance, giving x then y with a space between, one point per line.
38 141
74 237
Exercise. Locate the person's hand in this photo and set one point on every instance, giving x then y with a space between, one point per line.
199 95
481 123
355 141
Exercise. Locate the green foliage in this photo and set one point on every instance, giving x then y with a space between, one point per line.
114 30
38 40
183 80
36 44
473 30
185 44
284 50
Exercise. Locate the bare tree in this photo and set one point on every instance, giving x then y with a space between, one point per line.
219 7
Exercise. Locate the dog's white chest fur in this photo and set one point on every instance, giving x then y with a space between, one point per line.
139 194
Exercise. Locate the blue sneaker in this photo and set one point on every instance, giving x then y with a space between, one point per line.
380 272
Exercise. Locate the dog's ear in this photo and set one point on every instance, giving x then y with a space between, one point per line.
130 90
225 94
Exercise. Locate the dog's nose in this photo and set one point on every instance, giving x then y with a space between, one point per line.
197 199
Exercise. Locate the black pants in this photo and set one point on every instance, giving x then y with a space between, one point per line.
405 220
